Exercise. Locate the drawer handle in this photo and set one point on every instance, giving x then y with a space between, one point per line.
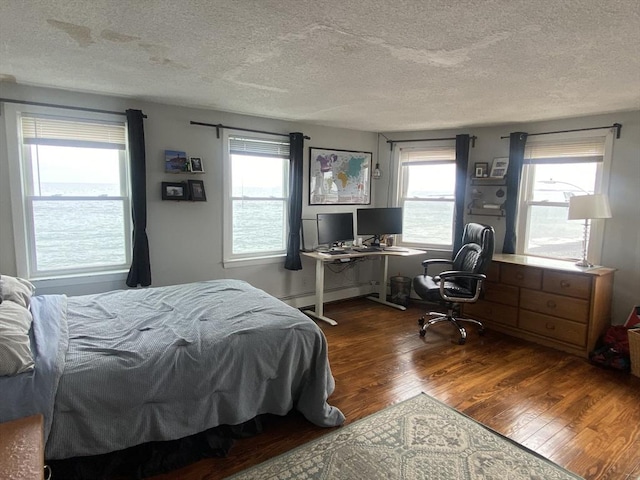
551 304
565 284
550 326
519 276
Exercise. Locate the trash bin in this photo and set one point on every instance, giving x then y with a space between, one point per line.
400 290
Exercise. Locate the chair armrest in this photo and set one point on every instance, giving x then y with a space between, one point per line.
480 277
435 261
463 274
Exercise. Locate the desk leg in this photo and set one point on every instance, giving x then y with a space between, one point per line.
318 313
382 285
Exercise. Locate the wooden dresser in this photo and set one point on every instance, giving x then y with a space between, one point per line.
551 302
22 449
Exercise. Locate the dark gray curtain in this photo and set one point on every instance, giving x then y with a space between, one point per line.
517 141
296 149
462 162
140 271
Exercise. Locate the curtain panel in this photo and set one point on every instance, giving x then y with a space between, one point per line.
296 150
462 162
517 142
140 270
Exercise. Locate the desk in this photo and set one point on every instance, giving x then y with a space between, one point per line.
322 259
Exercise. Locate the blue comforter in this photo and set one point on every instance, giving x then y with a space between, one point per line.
164 363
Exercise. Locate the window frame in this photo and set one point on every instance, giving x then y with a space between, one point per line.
22 198
400 185
229 259
601 186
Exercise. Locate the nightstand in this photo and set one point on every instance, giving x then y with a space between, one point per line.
22 449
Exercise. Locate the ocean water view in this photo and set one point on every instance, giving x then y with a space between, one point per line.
71 234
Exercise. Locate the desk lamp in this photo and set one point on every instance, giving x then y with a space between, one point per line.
588 207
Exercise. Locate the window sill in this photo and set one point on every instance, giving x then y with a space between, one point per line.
248 262
73 284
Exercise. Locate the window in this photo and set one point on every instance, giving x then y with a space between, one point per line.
426 192
71 208
256 197
553 172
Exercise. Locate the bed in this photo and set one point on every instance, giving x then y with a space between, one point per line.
122 368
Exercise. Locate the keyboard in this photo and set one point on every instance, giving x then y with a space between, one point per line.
335 252
367 249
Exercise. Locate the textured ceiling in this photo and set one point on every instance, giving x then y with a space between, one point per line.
375 65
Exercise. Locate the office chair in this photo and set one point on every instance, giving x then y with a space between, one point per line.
461 284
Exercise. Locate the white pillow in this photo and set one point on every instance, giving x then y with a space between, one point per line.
15 348
17 290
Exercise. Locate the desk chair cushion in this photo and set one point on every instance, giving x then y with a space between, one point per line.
428 289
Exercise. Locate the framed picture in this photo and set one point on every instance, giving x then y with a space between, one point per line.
195 165
196 191
175 191
175 161
339 177
481 169
499 167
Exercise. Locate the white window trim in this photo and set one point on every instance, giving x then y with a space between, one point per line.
229 260
17 189
397 187
596 230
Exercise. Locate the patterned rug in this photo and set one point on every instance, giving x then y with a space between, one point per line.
420 438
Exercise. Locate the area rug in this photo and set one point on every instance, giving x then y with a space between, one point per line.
420 438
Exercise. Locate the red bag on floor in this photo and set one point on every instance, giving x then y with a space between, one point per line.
614 352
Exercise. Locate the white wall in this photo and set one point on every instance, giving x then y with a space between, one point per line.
185 238
621 246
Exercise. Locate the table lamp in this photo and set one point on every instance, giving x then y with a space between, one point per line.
588 207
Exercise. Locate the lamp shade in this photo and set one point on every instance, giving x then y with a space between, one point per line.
589 206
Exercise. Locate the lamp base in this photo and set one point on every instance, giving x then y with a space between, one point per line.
583 263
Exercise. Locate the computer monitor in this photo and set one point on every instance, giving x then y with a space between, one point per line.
379 222
335 228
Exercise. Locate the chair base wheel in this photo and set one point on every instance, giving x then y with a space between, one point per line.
423 332
462 341
421 321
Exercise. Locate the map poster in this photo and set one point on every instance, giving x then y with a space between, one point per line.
339 177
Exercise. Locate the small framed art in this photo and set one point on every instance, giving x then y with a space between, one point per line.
195 165
175 191
196 191
481 169
175 161
499 167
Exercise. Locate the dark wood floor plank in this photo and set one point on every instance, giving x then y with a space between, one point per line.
582 417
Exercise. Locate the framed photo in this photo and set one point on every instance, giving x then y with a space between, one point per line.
175 161
175 191
195 165
196 191
339 177
499 167
481 169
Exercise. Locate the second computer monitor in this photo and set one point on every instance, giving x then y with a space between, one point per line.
378 222
335 228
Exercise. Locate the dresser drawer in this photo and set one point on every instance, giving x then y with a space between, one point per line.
495 312
557 305
501 293
552 327
493 272
521 276
570 284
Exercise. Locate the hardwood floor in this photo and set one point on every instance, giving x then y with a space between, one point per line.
581 417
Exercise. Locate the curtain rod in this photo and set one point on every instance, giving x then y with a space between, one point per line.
473 140
68 107
220 126
617 126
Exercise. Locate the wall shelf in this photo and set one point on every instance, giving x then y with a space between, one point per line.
488 181
489 212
